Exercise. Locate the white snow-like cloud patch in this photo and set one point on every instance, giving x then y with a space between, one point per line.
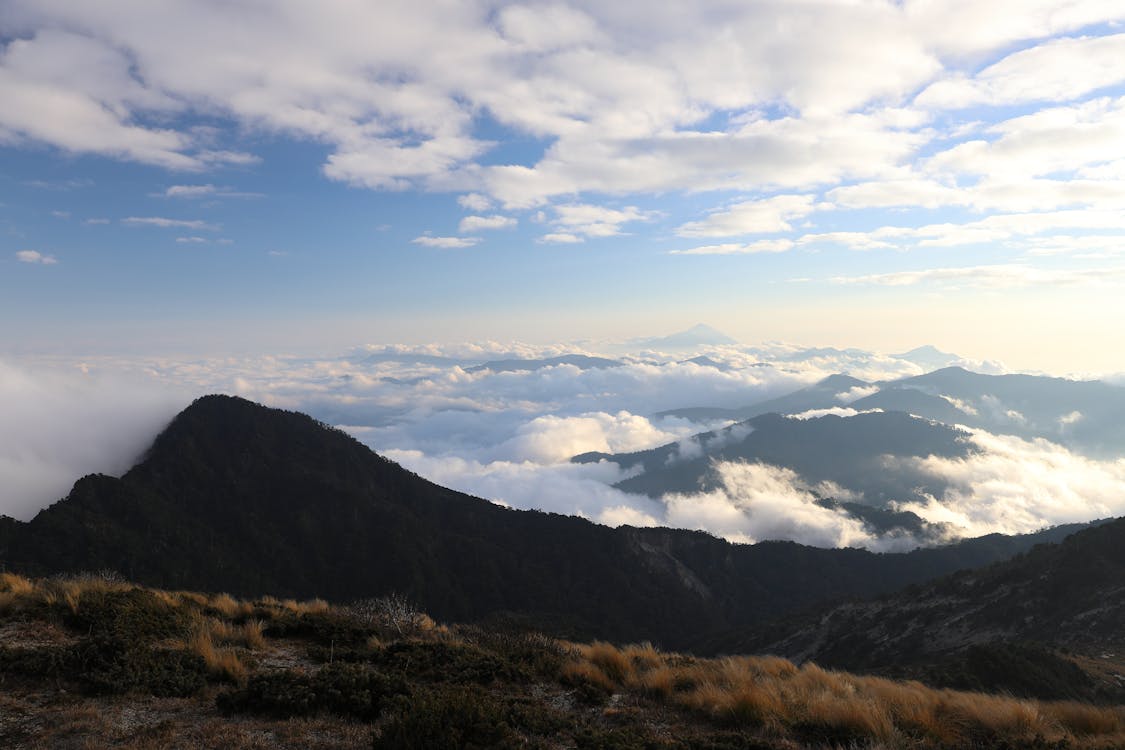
856 393
1015 486
835 411
61 425
756 502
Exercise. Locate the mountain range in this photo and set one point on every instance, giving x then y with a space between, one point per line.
238 497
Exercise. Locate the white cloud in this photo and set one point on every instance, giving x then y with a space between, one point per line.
166 223
734 248
856 393
562 238
205 191
757 502
445 242
474 202
192 240
752 217
478 223
1057 70
34 256
993 277
691 97
1015 486
595 221
836 411
62 425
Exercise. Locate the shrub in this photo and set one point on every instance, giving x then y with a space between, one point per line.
347 689
450 717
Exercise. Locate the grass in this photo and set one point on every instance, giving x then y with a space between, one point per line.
414 683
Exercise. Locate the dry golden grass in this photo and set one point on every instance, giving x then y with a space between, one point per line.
11 583
777 696
222 662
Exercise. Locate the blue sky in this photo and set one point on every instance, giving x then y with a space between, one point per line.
204 177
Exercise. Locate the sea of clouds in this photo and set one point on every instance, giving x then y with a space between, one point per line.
508 436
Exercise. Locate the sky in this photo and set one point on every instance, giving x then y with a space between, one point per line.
213 177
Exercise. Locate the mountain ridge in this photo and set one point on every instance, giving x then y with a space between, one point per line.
236 496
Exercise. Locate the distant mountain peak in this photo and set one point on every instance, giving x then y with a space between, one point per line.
840 380
699 334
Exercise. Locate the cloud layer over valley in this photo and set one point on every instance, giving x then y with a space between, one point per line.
476 418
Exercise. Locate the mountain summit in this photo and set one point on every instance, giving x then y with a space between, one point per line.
698 335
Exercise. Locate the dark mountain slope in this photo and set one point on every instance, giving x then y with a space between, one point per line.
848 451
238 497
1063 598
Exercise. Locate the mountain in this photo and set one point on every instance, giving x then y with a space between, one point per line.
848 451
928 357
233 496
1084 415
824 394
1055 609
697 335
581 361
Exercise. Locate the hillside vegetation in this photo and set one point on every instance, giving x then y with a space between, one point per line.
91 661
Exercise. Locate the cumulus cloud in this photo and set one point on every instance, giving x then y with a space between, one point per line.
751 217
1015 486
474 202
589 220
756 502
61 425
34 256
477 223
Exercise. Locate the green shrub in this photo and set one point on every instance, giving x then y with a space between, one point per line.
449 717
113 665
347 689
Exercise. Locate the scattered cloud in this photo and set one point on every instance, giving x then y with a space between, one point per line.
34 256
588 220
478 223
445 242
996 276
562 238
752 217
205 191
474 202
758 246
165 223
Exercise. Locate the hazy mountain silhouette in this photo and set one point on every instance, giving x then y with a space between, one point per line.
929 357
824 394
697 335
581 361
1085 415
239 497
